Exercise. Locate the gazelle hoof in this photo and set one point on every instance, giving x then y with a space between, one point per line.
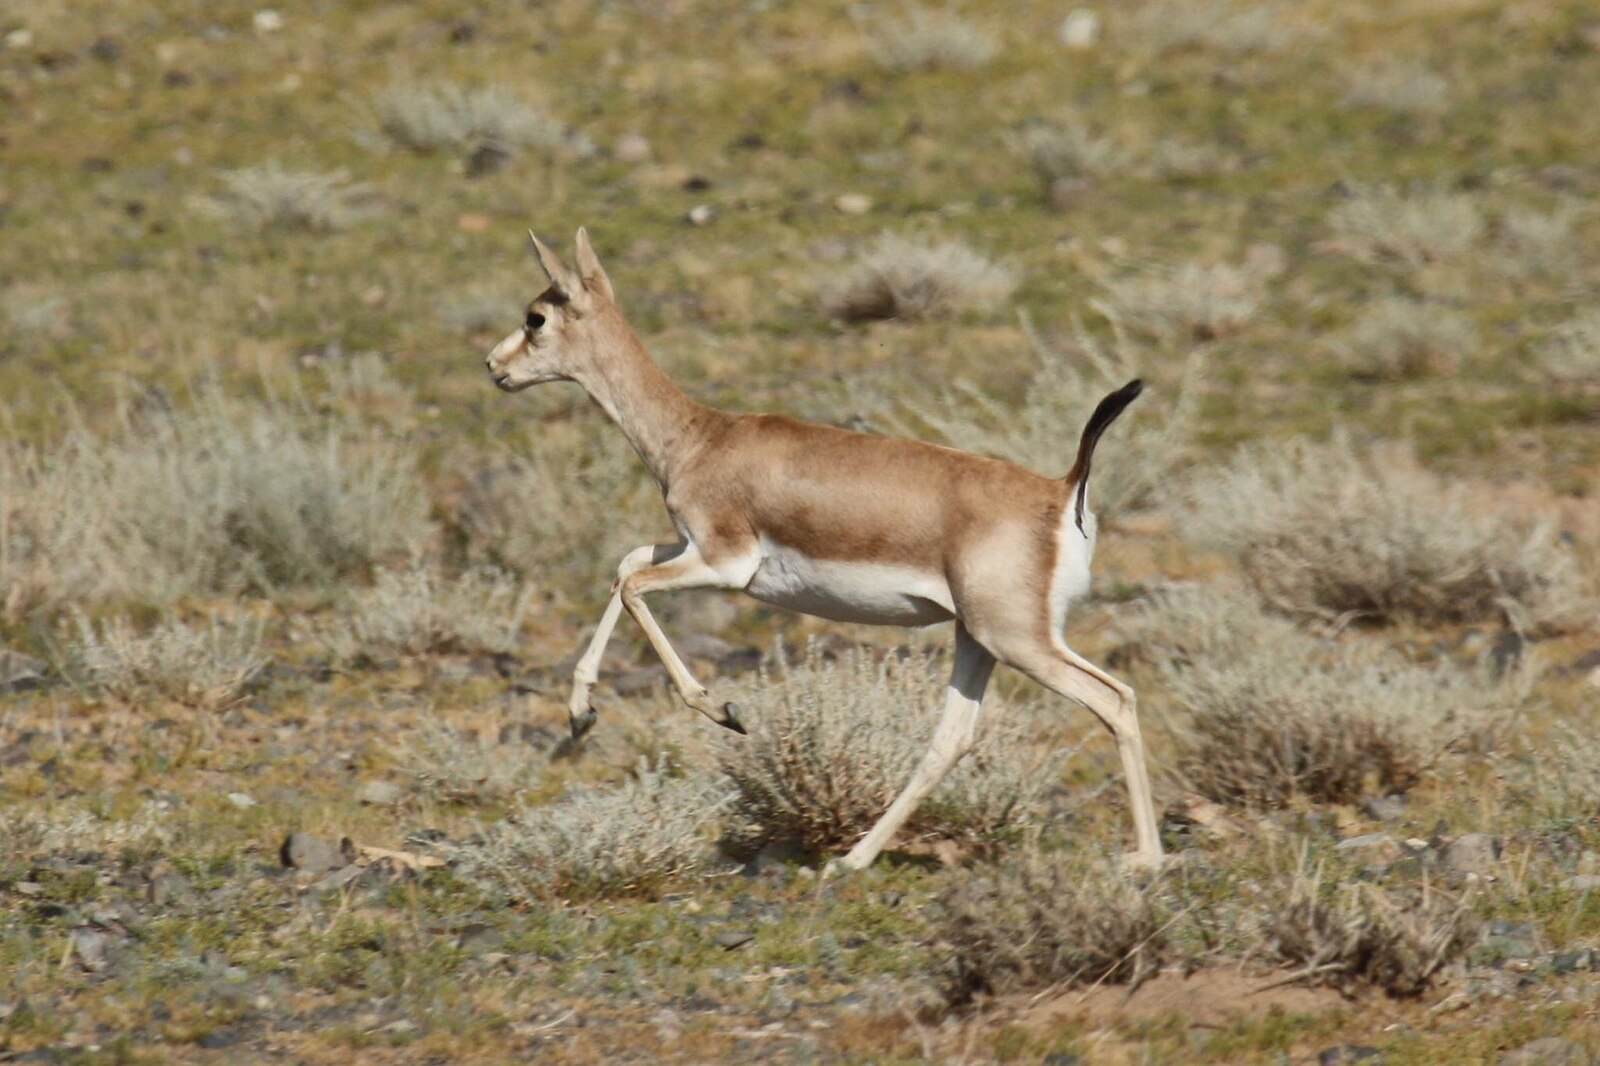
730 719
582 723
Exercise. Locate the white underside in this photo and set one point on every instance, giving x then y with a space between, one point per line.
850 591
1069 582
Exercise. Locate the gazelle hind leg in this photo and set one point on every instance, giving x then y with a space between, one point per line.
957 730
688 570
1065 672
580 713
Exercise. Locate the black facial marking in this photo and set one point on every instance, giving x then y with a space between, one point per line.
534 321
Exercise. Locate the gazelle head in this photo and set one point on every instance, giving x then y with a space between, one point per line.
558 338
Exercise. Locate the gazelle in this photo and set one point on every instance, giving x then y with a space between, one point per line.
843 525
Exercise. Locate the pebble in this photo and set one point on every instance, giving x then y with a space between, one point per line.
1080 29
90 946
632 148
380 793
853 203
241 800
302 851
701 215
733 939
1472 853
1384 808
266 20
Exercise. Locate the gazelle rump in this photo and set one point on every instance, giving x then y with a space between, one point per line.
839 524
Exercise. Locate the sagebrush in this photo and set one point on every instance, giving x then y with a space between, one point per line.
900 278
207 666
423 611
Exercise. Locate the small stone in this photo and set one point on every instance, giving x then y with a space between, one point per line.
380 793
701 215
169 888
1346 1053
1549 1051
241 800
1572 961
478 938
1512 940
1384 808
91 947
1368 843
1450 1004
853 203
19 672
19 39
1080 29
302 851
733 939
632 148
220 1038
1472 853
266 21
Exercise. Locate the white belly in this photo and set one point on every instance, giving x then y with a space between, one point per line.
850 592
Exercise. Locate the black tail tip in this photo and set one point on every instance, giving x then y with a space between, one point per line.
1130 392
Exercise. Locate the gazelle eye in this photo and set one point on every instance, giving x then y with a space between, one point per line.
535 320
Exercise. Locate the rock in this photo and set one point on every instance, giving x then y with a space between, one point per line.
1345 1053
1471 854
266 21
91 946
241 800
336 880
1573 961
1371 847
701 215
380 793
167 889
733 939
1080 29
632 148
1549 1051
302 851
853 203
1384 808
19 672
478 937
1450 1004
1512 940
220 1038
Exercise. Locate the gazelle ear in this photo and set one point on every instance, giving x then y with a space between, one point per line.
590 271
561 279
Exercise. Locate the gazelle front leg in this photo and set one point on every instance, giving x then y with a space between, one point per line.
580 713
689 570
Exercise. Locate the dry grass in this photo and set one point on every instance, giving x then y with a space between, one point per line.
922 38
605 842
1069 152
1214 25
270 197
450 118
1382 226
1193 302
1047 921
1396 339
1535 243
900 278
1394 937
207 666
218 498
1338 530
832 743
422 611
1571 353
1042 432
457 766
1271 712
1402 86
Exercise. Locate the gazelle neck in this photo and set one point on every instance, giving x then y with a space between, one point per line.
659 421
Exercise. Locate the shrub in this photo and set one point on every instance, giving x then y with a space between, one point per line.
207 667
901 278
1334 529
1047 920
604 842
1379 225
1401 86
449 118
1193 302
1572 351
1059 153
421 612
1042 432
832 743
461 767
925 39
1270 712
1349 933
1534 242
216 499
1397 338
1220 25
270 197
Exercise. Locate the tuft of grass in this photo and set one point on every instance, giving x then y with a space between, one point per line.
1215 25
1339 530
832 743
1350 933
604 842
1534 242
1067 153
270 197
1572 350
922 38
1272 713
1048 920
421 611
206 667
1193 302
900 278
1042 433
1401 86
450 118
457 766
1380 225
216 499
1396 338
